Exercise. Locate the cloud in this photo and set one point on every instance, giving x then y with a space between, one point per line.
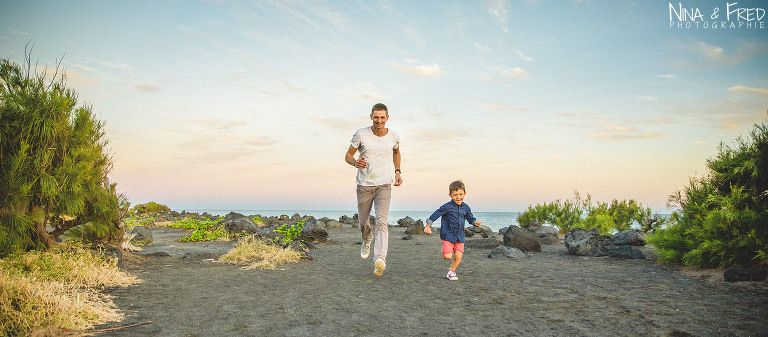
214 124
214 141
649 98
19 32
499 74
666 76
500 107
369 96
611 131
336 123
485 77
446 135
512 74
523 57
78 80
499 9
424 70
365 91
616 133
194 32
146 88
482 48
717 56
122 66
295 87
757 91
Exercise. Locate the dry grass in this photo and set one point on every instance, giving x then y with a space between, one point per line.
57 289
258 253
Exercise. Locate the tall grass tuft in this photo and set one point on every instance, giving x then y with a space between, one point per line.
256 252
57 288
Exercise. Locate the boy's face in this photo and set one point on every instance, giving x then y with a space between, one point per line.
457 196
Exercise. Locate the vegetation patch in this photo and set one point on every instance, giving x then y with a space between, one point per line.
150 207
289 233
610 217
721 218
256 252
54 162
204 230
57 288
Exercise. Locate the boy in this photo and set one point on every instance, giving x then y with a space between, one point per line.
453 214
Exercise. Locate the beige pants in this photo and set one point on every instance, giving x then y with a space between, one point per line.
377 197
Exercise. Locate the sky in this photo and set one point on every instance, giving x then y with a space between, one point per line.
252 104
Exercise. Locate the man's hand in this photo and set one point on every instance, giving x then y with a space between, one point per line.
360 163
427 229
398 180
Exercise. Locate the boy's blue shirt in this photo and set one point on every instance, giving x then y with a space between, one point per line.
452 221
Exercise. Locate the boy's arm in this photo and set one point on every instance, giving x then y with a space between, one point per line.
471 218
438 213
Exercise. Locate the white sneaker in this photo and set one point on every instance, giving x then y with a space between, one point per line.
452 276
365 250
379 267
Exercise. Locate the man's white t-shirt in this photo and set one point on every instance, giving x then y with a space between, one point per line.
377 152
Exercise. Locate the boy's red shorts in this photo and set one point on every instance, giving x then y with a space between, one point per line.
450 247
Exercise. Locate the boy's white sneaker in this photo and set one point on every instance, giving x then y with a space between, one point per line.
365 250
379 267
452 275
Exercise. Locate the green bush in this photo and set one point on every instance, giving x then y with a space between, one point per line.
205 230
614 217
150 207
722 218
54 162
290 233
564 215
619 216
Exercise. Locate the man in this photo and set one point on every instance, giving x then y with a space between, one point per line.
379 148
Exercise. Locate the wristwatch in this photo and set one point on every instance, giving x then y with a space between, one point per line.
398 170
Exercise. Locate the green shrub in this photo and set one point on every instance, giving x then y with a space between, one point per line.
608 218
54 161
722 218
150 207
290 233
204 230
564 215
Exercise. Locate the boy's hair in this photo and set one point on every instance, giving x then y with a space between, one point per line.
456 185
379 106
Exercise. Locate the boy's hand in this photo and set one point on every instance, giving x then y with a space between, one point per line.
477 223
428 229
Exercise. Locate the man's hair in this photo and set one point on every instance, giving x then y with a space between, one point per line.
457 185
379 106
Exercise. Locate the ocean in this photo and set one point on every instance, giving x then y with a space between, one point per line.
494 220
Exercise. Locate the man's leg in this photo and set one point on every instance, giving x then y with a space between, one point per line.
364 204
381 203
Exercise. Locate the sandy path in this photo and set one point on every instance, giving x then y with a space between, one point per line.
549 294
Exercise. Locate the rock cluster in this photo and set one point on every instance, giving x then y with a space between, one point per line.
590 243
547 235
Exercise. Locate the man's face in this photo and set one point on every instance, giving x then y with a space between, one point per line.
379 118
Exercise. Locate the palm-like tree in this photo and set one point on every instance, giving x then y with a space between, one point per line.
53 161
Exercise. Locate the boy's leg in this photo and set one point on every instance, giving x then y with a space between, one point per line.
458 252
456 259
364 203
447 249
381 199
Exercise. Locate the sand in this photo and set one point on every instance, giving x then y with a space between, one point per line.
187 292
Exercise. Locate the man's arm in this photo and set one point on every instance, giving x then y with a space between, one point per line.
350 158
396 160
